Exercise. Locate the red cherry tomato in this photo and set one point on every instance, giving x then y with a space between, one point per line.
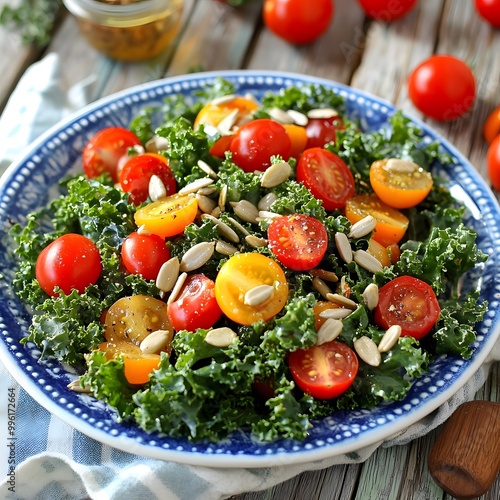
410 303
387 10
298 241
321 131
144 254
137 172
196 305
255 142
324 371
70 262
493 162
104 150
489 10
442 87
491 127
297 21
326 176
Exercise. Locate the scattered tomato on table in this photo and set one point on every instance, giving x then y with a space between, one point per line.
489 10
387 10
493 162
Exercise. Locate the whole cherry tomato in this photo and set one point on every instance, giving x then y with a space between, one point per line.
489 10
297 21
387 10
493 162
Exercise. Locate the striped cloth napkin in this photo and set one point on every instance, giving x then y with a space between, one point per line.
49 460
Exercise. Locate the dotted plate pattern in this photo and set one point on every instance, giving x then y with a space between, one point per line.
32 181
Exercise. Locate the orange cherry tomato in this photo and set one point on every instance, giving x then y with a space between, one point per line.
220 146
391 223
212 113
379 252
321 306
298 136
398 188
492 125
493 163
243 272
168 216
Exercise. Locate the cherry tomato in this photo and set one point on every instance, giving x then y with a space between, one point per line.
132 319
71 262
298 241
442 87
195 306
244 272
255 142
493 163
297 21
327 177
137 172
144 254
410 303
379 252
489 10
220 146
321 131
104 150
212 113
400 189
492 125
391 223
387 10
298 137
168 216
320 307
324 371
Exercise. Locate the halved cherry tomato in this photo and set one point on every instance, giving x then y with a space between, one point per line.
320 307
391 223
243 272
387 10
254 143
400 189
493 163
321 131
71 262
212 113
168 216
137 172
298 137
144 254
379 252
394 253
104 150
298 241
195 306
132 319
220 146
327 177
410 303
137 366
324 371
492 125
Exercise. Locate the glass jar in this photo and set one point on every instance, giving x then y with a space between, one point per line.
128 30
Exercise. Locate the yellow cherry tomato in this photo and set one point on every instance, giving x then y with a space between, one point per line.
168 216
212 114
242 273
298 137
400 187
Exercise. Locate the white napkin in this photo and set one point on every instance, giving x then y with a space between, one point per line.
56 462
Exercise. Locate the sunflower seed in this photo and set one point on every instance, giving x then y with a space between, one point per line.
337 313
343 247
280 116
320 286
255 241
336 298
258 295
156 341
238 226
216 212
367 261
75 386
222 198
276 174
367 350
324 275
194 186
224 229
246 211
223 99
205 204
266 201
329 331
363 227
207 191
390 338
220 337
197 256
156 188
401 166
298 117
226 125
265 215
177 287
156 143
225 248
370 296
322 113
168 274
207 169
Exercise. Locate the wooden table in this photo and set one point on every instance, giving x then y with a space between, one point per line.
367 55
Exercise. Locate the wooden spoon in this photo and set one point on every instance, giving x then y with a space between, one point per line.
465 458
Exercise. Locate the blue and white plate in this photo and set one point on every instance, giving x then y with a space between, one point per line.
27 185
